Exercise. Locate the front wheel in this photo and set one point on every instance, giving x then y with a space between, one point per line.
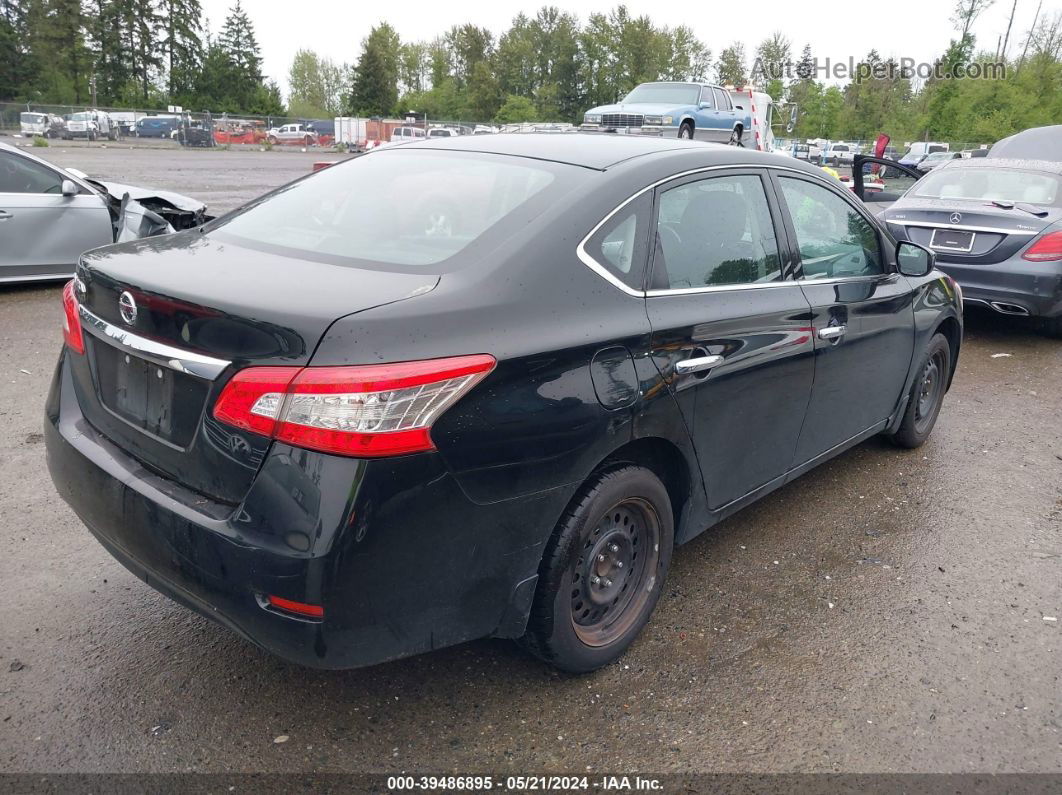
603 571
927 395
686 132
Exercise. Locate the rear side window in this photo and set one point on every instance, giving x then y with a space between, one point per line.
722 101
714 232
619 245
835 241
399 206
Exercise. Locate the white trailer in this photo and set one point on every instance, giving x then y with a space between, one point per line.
760 108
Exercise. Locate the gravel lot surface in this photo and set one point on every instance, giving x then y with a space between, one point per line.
887 612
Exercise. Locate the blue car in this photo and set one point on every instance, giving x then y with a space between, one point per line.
674 110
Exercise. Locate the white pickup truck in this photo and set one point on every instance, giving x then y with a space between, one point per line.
298 134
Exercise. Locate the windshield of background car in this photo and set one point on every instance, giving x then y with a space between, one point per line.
402 207
665 94
991 184
81 117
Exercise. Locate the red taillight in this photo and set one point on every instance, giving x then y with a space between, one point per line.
365 411
1047 249
71 323
299 608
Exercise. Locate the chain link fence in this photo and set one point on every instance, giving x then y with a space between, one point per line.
350 133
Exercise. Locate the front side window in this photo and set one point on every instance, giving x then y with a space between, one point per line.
716 231
399 206
20 175
834 239
707 98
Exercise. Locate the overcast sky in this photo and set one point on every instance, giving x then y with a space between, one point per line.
918 29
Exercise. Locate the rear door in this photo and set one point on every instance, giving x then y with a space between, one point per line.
730 327
862 313
42 232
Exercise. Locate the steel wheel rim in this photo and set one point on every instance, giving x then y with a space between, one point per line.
930 388
614 572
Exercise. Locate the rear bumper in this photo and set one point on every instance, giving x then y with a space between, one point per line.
1035 288
399 557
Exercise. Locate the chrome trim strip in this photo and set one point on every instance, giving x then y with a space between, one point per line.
166 355
607 275
719 288
961 227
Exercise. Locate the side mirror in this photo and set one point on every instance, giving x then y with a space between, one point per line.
69 188
913 259
704 106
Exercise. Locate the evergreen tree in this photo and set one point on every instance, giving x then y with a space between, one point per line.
103 23
143 27
14 75
375 87
182 45
240 47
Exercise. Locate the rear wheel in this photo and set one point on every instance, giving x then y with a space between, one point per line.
735 138
1052 326
686 131
603 571
927 395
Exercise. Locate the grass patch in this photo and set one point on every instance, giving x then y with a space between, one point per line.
40 140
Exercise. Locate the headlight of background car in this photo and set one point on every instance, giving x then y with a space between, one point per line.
658 120
592 118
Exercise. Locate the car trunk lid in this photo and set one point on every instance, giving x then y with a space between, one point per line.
168 321
975 234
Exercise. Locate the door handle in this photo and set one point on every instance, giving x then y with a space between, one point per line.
4 215
832 332
698 364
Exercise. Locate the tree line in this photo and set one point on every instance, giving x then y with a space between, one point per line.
129 53
549 66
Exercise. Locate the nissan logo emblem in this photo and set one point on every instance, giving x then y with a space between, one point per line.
956 218
127 307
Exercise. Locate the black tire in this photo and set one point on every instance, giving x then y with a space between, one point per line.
686 131
619 526
735 138
927 395
1052 326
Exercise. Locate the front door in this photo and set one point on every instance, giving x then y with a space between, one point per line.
862 314
730 330
42 232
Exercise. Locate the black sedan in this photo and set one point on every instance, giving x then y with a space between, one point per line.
995 225
482 386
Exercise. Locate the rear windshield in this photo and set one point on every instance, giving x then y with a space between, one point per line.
407 207
990 184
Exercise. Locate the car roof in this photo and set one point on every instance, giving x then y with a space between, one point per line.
590 150
1040 142
1047 166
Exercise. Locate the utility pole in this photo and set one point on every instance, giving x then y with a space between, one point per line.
92 88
